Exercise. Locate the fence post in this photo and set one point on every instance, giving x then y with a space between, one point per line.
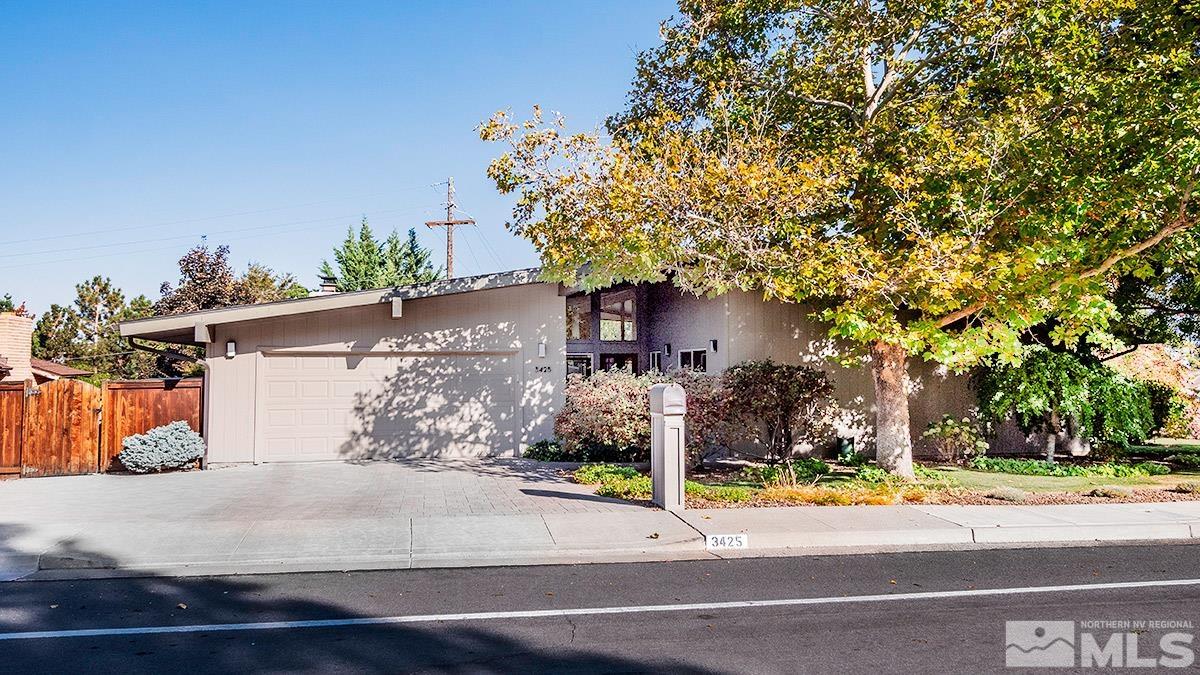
668 404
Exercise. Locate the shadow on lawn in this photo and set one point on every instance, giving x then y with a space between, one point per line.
157 601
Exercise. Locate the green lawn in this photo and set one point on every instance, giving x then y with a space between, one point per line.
984 481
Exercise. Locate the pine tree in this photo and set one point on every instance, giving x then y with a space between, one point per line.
416 266
363 263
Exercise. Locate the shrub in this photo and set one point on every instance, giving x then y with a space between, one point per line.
802 470
867 495
173 446
1110 492
954 440
854 458
590 474
606 417
873 475
1187 461
1005 493
1169 409
1189 487
546 451
639 488
1034 467
779 405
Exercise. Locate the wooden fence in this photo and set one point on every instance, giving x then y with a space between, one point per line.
137 406
67 427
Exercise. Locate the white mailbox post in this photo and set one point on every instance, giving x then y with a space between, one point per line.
668 403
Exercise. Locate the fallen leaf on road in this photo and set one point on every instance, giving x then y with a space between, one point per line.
53 606
892 582
653 536
181 606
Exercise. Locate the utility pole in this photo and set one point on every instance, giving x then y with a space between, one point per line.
449 224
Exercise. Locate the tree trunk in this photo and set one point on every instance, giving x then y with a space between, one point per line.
1051 440
1053 431
893 440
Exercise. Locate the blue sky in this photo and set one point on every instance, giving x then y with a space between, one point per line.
129 130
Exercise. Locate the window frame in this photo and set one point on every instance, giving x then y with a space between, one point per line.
628 322
584 303
656 361
692 358
579 356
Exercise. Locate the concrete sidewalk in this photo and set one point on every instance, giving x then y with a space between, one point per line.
132 547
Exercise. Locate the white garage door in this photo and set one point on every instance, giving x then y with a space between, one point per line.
360 407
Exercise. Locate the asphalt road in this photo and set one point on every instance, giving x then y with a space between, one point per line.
956 632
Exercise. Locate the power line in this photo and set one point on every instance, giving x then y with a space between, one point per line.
134 242
208 218
174 247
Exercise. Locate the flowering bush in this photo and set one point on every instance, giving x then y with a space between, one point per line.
954 440
172 446
606 417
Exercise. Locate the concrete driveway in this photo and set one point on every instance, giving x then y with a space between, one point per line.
313 491
333 515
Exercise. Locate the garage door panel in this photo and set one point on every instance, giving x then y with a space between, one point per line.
321 407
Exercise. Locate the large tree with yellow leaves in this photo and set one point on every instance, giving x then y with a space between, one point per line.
934 178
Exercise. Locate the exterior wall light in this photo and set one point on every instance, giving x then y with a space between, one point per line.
713 343
667 349
230 349
541 350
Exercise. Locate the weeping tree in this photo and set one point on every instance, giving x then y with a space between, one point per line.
1072 401
934 179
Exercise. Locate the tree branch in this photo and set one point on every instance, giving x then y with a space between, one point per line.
1178 224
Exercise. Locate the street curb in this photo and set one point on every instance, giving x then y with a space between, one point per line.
54 567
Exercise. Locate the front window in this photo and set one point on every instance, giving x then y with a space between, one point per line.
579 364
626 362
656 361
696 359
617 323
579 318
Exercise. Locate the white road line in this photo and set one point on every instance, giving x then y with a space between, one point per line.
589 611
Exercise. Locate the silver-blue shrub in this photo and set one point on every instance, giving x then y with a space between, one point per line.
172 446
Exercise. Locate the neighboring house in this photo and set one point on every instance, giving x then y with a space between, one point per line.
474 366
16 354
45 371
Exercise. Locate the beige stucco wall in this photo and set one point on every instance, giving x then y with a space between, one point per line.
506 319
16 346
784 332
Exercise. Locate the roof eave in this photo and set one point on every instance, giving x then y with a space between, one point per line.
178 328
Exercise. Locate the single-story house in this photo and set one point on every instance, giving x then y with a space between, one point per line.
475 366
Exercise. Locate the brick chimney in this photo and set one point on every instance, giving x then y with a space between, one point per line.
16 346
